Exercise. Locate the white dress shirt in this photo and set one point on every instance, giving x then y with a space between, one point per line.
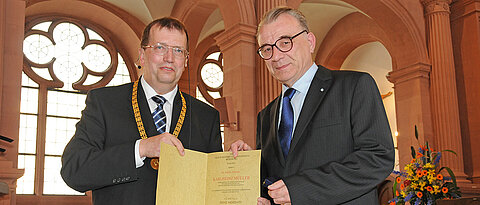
302 85
167 108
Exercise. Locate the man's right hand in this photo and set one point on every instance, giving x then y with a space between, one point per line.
150 147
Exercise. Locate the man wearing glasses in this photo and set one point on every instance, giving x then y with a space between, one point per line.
117 140
326 138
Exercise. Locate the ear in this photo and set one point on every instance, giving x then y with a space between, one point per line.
141 56
311 40
186 61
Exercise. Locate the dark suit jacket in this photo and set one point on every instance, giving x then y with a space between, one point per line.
341 146
100 156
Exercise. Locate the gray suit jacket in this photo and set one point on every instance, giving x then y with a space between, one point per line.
341 147
100 156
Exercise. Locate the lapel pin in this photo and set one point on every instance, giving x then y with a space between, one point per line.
321 89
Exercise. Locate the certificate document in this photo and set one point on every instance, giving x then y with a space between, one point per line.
207 179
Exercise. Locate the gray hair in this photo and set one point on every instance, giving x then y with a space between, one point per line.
273 14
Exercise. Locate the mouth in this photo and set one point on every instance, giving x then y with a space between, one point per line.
167 68
282 67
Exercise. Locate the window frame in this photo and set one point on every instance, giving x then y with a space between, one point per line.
114 48
202 86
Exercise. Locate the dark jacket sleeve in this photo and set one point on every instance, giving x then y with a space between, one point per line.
87 163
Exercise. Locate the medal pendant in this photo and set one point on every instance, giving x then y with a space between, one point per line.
154 163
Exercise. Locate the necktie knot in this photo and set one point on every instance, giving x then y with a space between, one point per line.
289 93
159 99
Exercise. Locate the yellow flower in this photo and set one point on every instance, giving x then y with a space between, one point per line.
429 166
422 184
431 178
415 178
414 185
435 189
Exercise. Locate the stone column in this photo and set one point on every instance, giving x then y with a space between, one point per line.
267 87
237 44
444 99
12 22
412 100
466 48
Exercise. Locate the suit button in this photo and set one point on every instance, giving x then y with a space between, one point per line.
128 178
114 180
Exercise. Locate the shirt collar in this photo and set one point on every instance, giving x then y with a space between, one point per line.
150 92
304 82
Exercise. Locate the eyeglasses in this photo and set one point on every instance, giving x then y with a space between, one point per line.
283 44
161 49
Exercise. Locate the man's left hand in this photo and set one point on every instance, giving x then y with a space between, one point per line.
279 192
239 145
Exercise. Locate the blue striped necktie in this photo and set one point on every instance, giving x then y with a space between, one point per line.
286 122
159 117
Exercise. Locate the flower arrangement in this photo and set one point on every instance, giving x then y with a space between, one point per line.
422 181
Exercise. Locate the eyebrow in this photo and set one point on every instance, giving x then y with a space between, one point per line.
170 45
283 36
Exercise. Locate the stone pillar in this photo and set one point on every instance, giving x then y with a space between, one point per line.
12 22
444 99
466 48
237 44
268 88
412 104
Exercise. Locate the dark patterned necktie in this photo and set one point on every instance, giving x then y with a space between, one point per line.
286 122
159 117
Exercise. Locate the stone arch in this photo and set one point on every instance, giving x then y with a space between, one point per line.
405 34
347 34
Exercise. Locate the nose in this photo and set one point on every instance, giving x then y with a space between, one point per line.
168 56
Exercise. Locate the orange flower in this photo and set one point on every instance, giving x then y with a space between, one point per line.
419 155
419 194
413 161
399 180
396 193
392 203
429 188
402 186
419 173
444 190
425 172
440 177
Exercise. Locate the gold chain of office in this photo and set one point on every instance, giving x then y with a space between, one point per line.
141 128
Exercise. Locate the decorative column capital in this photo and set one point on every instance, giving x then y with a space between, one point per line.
434 6
418 70
236 34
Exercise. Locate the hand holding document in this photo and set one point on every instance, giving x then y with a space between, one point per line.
214 178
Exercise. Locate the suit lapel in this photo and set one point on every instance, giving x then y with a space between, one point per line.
274 118
318 88
147 117
177 105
